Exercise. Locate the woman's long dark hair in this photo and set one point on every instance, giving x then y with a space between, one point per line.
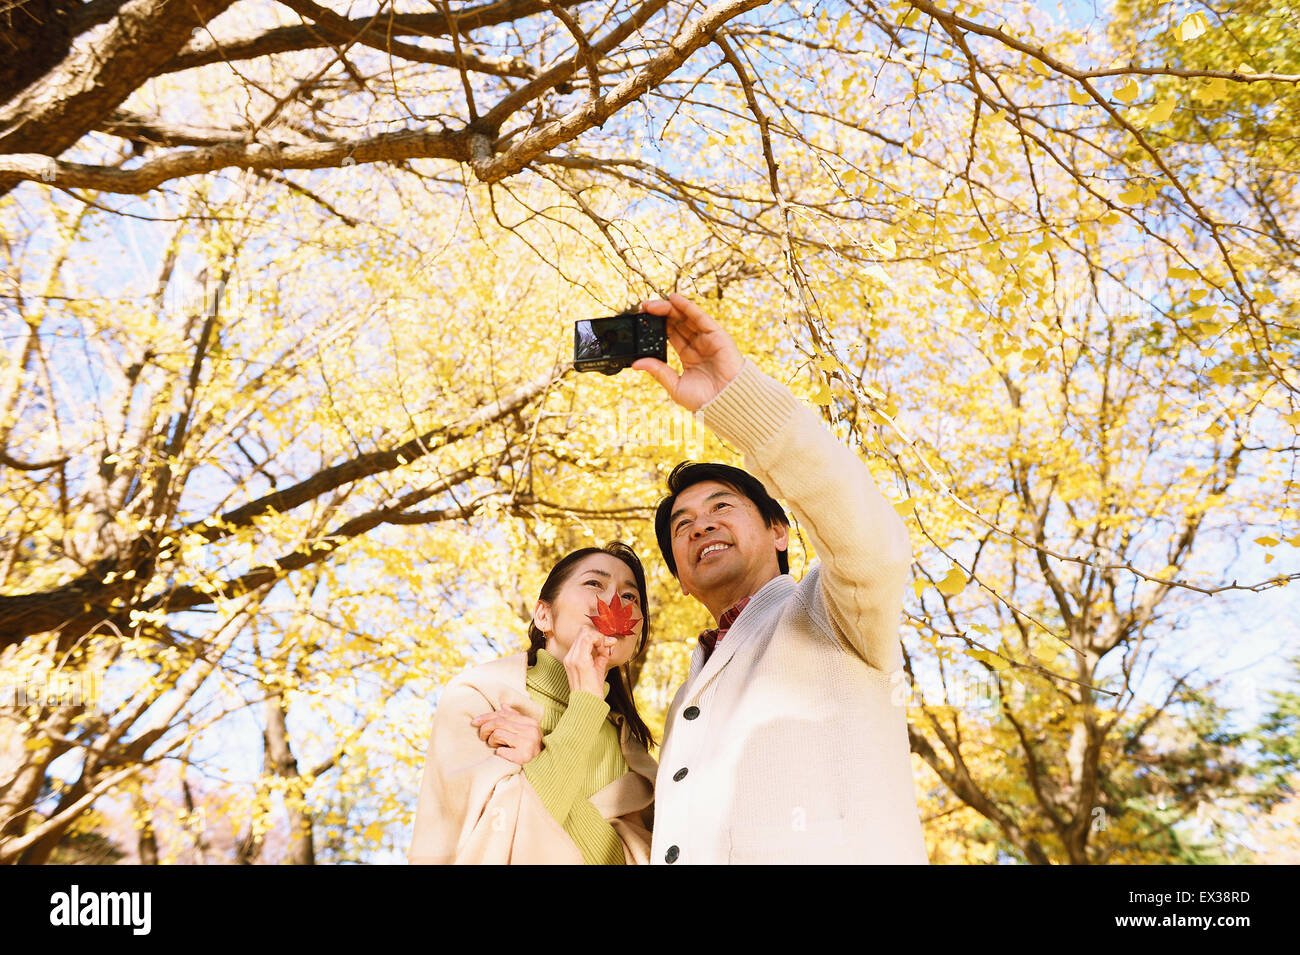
620 691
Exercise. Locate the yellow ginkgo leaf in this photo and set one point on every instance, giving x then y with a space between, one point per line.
823 396
953 582
886 246
992 659
1162 110
1128 92
1216 89
1133 194
1044 654
1292 419
903 507
1111 218
826 363
1079 97
1177 272
1221 375
1267 541
1193 25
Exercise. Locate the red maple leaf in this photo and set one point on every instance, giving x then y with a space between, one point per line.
614 619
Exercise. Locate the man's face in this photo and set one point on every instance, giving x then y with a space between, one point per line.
721 545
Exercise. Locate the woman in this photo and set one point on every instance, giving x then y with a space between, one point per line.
488 794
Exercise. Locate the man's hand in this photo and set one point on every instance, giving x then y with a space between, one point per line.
516 736
710 359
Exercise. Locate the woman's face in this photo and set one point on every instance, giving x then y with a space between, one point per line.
595 576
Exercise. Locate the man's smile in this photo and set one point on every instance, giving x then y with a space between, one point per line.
715 547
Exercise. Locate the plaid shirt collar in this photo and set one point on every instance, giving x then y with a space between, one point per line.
709 639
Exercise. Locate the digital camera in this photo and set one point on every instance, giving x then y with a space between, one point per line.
608 345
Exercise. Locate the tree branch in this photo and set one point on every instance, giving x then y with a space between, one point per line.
367 33
132 126
185 598
11 462
490 168
584 45
386 147
74 97
306 193
290 39
87 601
365 465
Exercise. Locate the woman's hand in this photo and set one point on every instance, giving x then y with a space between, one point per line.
515 736
588 660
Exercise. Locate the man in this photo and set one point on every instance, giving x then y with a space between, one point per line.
785 744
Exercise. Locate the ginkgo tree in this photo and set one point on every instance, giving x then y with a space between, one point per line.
221 449
1008 257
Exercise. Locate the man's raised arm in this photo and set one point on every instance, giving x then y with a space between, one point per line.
861 540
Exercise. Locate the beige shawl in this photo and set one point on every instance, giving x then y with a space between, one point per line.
478 808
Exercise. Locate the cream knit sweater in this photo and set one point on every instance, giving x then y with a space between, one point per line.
793 741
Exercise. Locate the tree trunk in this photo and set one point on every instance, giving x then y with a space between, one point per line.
22 774
285 766
200 844
74 96
146 840
34 36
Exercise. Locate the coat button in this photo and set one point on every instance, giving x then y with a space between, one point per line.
671 856
691 712
679 775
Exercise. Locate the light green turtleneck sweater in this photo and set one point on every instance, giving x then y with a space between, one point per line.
580 756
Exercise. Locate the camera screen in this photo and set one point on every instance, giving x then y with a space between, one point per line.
604 337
